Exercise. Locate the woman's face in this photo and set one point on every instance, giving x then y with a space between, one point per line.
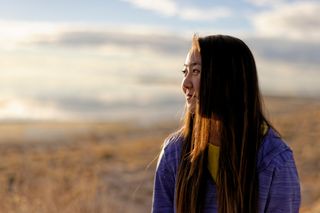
191 79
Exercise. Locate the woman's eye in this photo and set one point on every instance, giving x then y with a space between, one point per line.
184 72
195 71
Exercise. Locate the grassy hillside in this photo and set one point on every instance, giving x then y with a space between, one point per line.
109 167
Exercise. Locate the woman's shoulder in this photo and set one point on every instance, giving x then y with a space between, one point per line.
274 151
171 150
173 143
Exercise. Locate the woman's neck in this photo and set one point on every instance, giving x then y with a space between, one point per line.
215 134
214 141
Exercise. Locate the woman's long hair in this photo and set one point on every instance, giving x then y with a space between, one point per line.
229 105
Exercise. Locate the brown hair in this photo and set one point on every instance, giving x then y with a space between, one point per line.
229 93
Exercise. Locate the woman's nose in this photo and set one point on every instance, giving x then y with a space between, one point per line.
186 83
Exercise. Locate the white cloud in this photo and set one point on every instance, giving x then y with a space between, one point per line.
204 14
166 7
295 21
85 70
61 71
267 2
171 8
22 108
282 78
14 32
20 34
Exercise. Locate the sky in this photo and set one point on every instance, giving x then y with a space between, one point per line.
122 59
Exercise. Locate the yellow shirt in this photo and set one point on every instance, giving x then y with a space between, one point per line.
213 160
213 156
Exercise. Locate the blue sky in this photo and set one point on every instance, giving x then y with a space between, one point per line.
102 11
133 12
121 59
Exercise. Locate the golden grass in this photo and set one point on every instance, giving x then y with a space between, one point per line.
109 167
80 167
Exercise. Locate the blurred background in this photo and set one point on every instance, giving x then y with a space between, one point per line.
90 89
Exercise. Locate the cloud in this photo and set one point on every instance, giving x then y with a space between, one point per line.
88 107
12 108
14 35
197 14
104 71
158 79
166 7
169 44
151 43
268 2
170 8
298 21
123 43
281 78
291 52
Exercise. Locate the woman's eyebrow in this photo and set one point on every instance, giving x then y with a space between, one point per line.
192 64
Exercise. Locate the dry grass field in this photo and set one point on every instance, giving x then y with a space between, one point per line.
109 167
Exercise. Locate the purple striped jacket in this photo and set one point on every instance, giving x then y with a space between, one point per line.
279 188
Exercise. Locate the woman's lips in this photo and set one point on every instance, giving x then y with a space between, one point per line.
189 97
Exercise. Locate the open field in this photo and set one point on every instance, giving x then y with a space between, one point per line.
109 167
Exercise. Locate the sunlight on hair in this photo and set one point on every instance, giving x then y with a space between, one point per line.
195 43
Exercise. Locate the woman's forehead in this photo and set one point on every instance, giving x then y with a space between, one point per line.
193 58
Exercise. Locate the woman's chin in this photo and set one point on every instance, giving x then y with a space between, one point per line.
191 108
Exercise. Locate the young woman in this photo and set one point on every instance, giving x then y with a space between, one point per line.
227 157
